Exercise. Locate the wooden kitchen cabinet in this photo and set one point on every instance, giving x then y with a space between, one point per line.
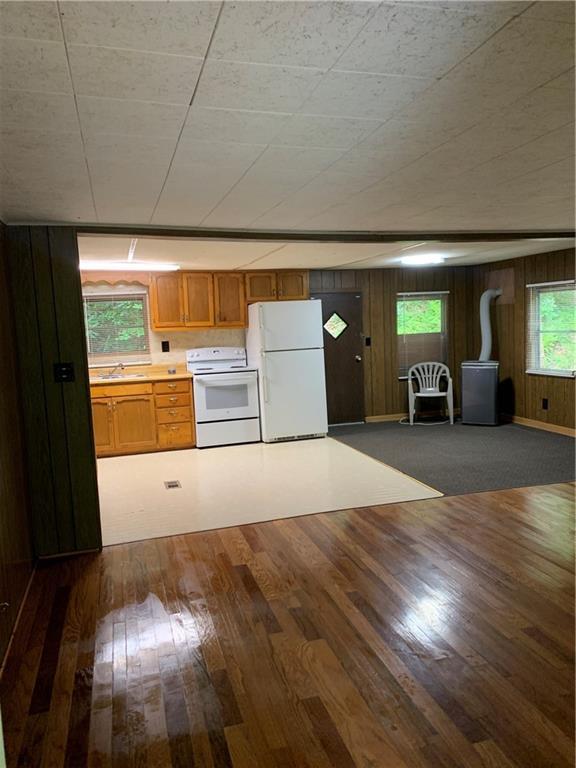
103 424
293 285
229 300
260 286
198 292
167 301
134 423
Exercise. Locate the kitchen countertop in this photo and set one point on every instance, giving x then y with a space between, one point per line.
144 374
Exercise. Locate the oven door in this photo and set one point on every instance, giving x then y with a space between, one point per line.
226 396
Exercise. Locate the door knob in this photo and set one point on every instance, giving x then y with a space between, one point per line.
358 358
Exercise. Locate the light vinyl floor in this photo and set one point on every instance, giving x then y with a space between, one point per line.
240 484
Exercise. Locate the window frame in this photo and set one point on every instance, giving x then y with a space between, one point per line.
122 293
532 354
444 296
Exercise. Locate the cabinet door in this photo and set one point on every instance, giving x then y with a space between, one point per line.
198 299
260 286
103 426
293 286
167 302
229 299
134 423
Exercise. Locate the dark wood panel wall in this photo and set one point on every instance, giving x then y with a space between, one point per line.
521 393
45 286
384 393
15 549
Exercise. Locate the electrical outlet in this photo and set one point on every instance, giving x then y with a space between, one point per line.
165 346
544 403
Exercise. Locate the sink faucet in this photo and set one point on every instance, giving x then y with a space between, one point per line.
118 365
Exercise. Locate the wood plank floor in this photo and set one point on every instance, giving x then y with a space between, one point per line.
433 633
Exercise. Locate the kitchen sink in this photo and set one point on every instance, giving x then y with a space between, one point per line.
109 376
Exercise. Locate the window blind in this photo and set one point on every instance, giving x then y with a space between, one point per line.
117 327
421 329
551 328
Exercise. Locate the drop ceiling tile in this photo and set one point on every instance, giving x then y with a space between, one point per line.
524 51
236 85
34 65
242 126
38 20
125 74
104 151
202 254
29 111
210 156
407 39
129 117
127 194
309 160
319 131
376 161
190 194
308 34
401 135
254 194
564 82
34 149
181 28
359 94
317 255
552 10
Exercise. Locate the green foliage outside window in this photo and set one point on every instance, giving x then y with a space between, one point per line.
115 326
419 316
557 326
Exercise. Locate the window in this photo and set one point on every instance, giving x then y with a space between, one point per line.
421 328
117 327
551 340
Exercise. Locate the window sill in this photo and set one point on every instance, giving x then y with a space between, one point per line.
557 374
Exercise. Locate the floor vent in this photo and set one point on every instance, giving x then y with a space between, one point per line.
172 484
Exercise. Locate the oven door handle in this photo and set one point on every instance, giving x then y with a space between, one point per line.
225 380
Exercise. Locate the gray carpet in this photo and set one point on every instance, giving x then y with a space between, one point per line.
466 459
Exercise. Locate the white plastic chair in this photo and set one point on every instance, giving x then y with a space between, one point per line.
428 376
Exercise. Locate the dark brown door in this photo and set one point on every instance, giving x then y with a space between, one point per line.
343 349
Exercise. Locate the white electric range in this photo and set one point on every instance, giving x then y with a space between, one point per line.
225 396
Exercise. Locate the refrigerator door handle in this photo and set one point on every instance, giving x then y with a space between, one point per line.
265 388
260 317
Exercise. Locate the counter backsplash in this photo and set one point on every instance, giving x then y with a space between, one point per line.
180 341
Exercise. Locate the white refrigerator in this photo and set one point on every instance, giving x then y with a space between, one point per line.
285 343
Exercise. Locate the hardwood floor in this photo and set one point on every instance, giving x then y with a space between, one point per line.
433 633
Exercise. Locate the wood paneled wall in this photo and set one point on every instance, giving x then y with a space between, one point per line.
521 394
15 549
45 285
384 393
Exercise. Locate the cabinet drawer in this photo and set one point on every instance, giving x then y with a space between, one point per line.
120 390
171 415
171 387
174 434
171 401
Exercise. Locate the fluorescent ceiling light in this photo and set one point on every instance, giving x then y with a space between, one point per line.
131 250
422 259
89 265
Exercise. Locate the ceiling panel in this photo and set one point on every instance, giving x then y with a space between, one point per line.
305 34
140 75
181 28
338 115
422 40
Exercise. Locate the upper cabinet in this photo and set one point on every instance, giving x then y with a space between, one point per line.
218 299
283 285
198 299
229 299
167 301
260 286
293 285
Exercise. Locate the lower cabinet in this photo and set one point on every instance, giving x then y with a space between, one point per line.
142 417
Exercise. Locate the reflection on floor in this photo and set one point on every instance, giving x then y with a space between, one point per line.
241 484
434 633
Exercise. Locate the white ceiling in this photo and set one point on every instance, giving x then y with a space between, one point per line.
413 116
229 254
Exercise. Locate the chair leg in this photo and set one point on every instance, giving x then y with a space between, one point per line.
450 399
411 407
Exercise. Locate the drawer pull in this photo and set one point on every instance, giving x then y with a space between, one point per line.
172 412
171 386
173 399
